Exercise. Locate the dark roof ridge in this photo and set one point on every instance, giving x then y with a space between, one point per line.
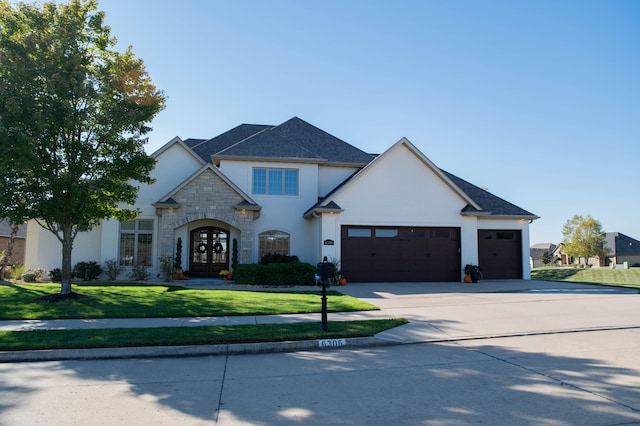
243 140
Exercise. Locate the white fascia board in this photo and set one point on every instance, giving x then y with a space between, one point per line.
174 141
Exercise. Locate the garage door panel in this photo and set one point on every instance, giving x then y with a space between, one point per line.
500 254
397 254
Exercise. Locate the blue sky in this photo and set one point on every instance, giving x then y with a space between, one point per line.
538 101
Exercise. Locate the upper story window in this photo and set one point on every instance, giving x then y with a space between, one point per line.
136 242
271 181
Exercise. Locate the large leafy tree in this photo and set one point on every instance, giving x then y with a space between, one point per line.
583 237
73 115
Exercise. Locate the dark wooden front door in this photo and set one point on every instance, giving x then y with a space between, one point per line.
208 252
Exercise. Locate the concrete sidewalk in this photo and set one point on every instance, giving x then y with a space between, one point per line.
436 311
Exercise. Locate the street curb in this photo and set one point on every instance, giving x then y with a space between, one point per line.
185 351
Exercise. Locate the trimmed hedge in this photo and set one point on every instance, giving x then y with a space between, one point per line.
289 274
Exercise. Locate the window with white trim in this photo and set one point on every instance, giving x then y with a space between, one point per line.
136 243
274 242
272 181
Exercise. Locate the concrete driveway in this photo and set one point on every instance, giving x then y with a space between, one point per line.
454 311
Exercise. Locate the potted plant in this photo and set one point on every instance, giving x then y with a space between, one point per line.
177 262
338 276
472 273
224 274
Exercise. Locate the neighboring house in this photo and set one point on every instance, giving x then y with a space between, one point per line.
294 189
622 249
19 244
560 257
535 253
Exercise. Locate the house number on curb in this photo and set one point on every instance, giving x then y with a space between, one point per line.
328 343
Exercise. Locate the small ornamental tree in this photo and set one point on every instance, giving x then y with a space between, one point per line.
73 113
234 254
583 237
177 263
546 257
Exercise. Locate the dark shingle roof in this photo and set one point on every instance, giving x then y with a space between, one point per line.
5 229
621 244
489 203
205 148
297 139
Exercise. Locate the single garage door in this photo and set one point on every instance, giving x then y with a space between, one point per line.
500 254
400 254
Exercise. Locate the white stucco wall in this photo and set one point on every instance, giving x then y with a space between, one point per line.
331 176
45 250
174 165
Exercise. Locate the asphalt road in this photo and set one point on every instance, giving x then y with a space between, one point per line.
583 378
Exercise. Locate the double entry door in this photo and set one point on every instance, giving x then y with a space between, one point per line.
208 251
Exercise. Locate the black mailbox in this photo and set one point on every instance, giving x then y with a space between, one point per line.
326 272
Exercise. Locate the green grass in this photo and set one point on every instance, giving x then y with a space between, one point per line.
604 276
176 336
20 301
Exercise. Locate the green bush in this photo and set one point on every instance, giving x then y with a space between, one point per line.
139 273
113 269
29 277
88 271
278 258
285 274
14 272
32 275
55 275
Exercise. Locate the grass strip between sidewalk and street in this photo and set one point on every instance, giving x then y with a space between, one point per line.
178 336
629 278
131 300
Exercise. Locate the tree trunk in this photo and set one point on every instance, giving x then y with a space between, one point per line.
7 255
67 245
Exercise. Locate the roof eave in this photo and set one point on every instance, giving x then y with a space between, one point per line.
250 207
345 164
166 205
217 158
506 216
478 213
320 210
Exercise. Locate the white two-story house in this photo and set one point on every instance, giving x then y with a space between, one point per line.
294 189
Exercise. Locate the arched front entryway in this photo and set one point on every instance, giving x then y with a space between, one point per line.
208 251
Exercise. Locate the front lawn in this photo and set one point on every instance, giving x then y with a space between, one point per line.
178 336
24 301
604 276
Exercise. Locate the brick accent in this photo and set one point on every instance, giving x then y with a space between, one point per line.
207 197
19 248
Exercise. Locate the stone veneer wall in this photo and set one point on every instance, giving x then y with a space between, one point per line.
207 197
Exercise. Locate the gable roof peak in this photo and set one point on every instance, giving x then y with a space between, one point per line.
295 140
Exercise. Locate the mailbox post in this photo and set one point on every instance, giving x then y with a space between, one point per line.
326 272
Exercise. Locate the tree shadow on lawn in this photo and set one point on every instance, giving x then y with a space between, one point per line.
553 274
486 381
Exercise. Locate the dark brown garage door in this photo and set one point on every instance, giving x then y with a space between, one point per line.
400 254
500 254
